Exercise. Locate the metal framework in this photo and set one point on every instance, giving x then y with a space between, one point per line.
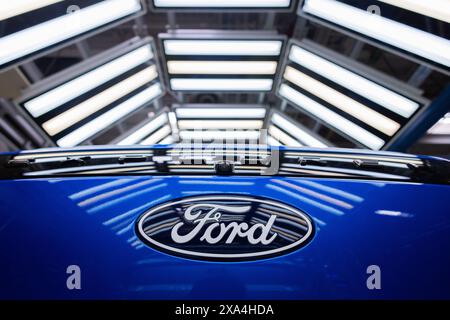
154 8
77 39
220 35
359 69
421 123
17 131
82 68
190 118
306 131
121 140
362 38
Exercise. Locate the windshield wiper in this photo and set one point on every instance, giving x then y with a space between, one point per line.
172 161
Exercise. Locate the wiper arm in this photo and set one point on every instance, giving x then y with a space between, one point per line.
74 162
367 164
312 161
22 163
132 159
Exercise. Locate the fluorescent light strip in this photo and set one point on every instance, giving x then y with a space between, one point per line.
222 3
419 42
219 113
331 118
144 131
168 140
88 81
442 127
220 124
222 67
108 118
98 102
33 39
219 135
273 142
298 133
341 101
173 120
157 136
223 47
438 9
221 84
14 8
283 137
362 86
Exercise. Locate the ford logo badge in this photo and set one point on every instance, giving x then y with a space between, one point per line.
225 228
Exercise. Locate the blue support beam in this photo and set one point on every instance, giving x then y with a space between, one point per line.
421 123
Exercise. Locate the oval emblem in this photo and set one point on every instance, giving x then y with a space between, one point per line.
225 228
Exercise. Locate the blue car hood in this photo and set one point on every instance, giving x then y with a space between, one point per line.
49 223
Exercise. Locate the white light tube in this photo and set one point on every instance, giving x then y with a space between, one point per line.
173 121
157 136
273 142
168 140
438 9
219 135
51 32
209 113
362 86
144 131
88 130
88 81
331 118
283 137
220 124
223 47
221 84
442 127
298 133
98 102
222 3
9 9
341 101
419 42
222 67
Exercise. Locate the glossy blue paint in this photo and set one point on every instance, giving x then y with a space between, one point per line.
49 224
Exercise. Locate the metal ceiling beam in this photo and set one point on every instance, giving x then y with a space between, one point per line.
421 123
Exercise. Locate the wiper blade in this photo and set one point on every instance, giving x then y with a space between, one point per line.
74 162
132 159
173 161
308 161
19 163
367 164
